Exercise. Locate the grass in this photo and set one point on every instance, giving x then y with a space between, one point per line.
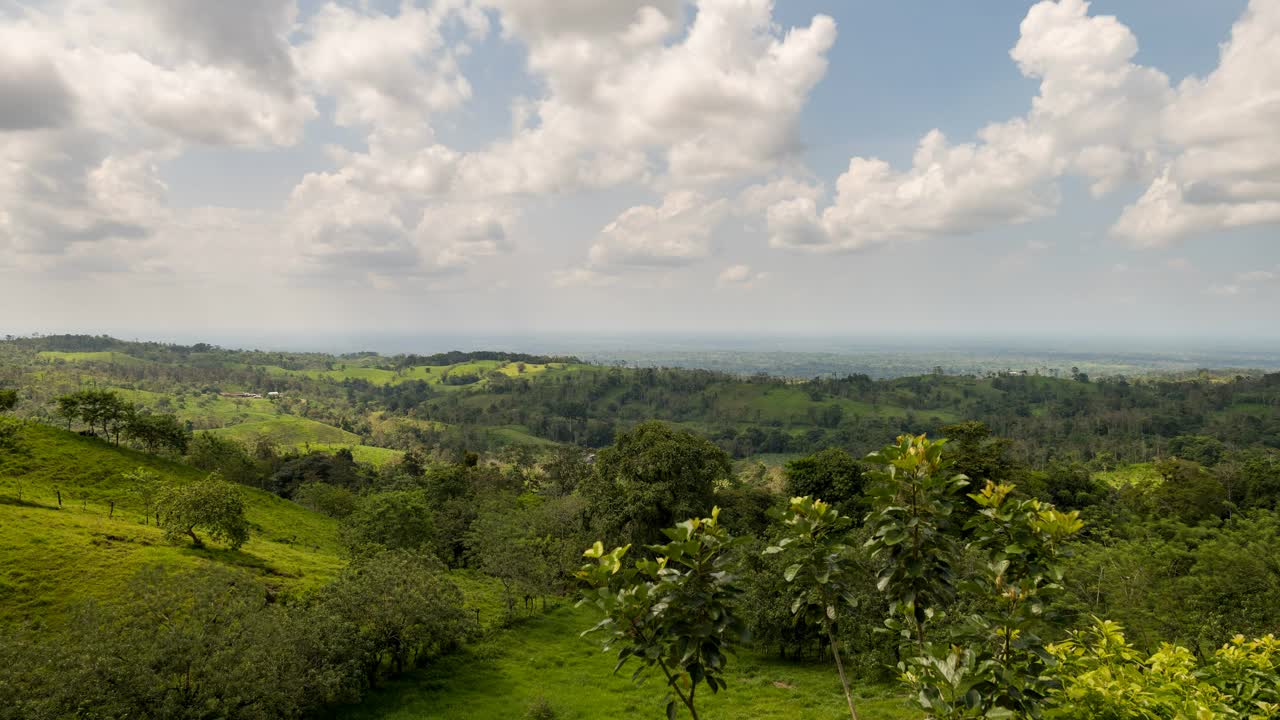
289 430
375 456
520 435
545 657
104 357
51 556
1138 475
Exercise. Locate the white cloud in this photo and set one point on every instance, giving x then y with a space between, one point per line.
739 276
631 100
677 232
1225 170
389 73
1091 118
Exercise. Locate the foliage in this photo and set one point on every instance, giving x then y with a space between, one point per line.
402 607
336 502
913 534
1102 676
821 573
8 399
992 661
676 612
397 520
830 475
213 505
182 645
650 478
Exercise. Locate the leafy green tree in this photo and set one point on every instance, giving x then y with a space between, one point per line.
212 505
1189 492
821 573
831 475
224 456
992 661
397 520
156 431
336 502
1101 676
8 399
650 478
147 486
913 534
402 607
677 612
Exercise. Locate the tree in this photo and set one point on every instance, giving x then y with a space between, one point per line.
830 475
400 604
156 431
224 456
821 574
913 536
1188 491
147 486
8 399
650 478
397 520
213 505
991 661
677 612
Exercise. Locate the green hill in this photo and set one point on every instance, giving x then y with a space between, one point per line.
51 556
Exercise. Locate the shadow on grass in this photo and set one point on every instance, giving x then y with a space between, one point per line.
234 558
6 500
441 689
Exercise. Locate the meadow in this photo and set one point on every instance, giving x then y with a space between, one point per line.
546 658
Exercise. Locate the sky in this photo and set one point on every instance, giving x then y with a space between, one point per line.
293 168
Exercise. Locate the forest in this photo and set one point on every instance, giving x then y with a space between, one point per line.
198 532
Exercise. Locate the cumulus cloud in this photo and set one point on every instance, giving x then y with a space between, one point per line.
35 94
1224 173
391 73
677 232
1090 118
94 97
630 99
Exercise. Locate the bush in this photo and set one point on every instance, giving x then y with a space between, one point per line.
540 709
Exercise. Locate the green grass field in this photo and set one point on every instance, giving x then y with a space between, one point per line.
545 656
51 557
1140 475
113 358
290 431
375 456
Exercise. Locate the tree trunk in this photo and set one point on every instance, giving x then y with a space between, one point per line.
844 682
194 539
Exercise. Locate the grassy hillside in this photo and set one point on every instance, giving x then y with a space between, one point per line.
290 431
546 657
51 557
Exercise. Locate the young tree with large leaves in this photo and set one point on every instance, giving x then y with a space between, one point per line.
821 573
676 612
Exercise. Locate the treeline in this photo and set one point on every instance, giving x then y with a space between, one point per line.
455 357
1046 418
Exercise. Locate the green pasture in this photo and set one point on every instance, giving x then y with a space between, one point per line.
545 657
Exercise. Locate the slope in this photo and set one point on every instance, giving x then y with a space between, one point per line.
52 556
